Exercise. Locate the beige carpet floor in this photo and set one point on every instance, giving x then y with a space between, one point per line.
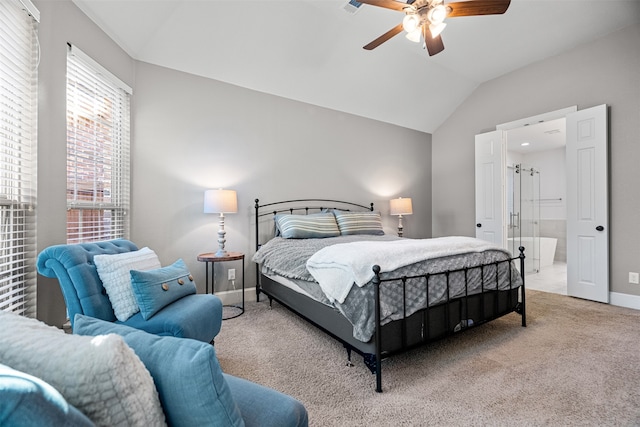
576 363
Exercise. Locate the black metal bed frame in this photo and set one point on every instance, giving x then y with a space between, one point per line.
428 324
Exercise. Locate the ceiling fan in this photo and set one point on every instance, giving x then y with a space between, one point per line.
424 19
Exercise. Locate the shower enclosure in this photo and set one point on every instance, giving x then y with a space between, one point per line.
523 213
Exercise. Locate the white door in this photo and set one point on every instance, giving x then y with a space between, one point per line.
587 205
490 191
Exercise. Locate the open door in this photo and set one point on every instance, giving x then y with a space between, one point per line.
587 205
490 187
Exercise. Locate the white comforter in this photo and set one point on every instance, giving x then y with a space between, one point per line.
336 268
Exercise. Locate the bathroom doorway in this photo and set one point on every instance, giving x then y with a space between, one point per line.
536 201
586 190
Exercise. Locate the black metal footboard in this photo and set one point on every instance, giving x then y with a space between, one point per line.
453 315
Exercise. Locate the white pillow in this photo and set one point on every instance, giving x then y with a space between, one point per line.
101 376
114 273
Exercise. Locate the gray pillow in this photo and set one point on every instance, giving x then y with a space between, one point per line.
359 223
103 378
312 226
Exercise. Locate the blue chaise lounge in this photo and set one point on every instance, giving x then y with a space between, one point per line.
196 316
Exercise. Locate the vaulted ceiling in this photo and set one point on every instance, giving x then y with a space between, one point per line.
311 50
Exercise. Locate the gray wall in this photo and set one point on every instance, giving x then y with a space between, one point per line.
193 133
606 71
190 134
62 22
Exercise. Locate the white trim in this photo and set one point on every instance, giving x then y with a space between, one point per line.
233 296
552 115
31 9
624 300
75 51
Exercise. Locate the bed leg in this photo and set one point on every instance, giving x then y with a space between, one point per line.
523 309
349 362
270 303
523 303
377 365
373 363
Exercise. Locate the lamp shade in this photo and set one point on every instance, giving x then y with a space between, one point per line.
401 206
220 201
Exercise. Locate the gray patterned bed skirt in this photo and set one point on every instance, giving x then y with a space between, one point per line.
427 284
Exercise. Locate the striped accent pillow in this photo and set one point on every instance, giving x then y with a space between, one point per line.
359 223
313 226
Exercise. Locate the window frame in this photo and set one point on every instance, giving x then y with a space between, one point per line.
98 151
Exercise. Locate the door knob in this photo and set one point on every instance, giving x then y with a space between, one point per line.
478 225
600 228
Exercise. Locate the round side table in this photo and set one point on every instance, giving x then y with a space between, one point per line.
211 258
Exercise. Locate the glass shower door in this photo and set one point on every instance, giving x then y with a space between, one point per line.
530 217
513 209
523 206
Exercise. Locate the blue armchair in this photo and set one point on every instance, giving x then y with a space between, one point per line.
195 316
129 377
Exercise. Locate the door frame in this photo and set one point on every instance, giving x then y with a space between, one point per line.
552 115
545 117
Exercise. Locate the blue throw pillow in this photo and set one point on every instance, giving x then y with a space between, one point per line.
155 289
28 401
190 383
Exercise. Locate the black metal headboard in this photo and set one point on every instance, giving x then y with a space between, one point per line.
301 206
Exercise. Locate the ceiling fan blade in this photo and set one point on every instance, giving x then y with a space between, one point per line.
387 4
477 7
383 38
434 44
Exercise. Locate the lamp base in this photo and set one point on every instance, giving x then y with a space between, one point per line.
221 240
222 253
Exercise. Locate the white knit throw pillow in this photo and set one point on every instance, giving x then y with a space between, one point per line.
114 274
101 376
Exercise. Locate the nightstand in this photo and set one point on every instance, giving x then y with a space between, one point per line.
211 258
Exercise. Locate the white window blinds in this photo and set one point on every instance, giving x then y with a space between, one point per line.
18 112
98 116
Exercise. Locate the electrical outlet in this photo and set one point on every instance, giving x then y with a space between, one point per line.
634 278
232 274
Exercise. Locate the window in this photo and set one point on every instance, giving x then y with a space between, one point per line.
98 116
18 109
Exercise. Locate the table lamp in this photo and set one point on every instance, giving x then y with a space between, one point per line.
222 202
400 206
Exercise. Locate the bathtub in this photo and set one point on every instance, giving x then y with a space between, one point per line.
547 249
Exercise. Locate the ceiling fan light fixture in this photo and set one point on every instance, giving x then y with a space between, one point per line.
436 29
411 22
420 13
436 14
415 35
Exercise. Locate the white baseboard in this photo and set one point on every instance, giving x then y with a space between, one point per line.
624 300
234 296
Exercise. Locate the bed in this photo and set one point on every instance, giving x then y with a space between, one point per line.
331 263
